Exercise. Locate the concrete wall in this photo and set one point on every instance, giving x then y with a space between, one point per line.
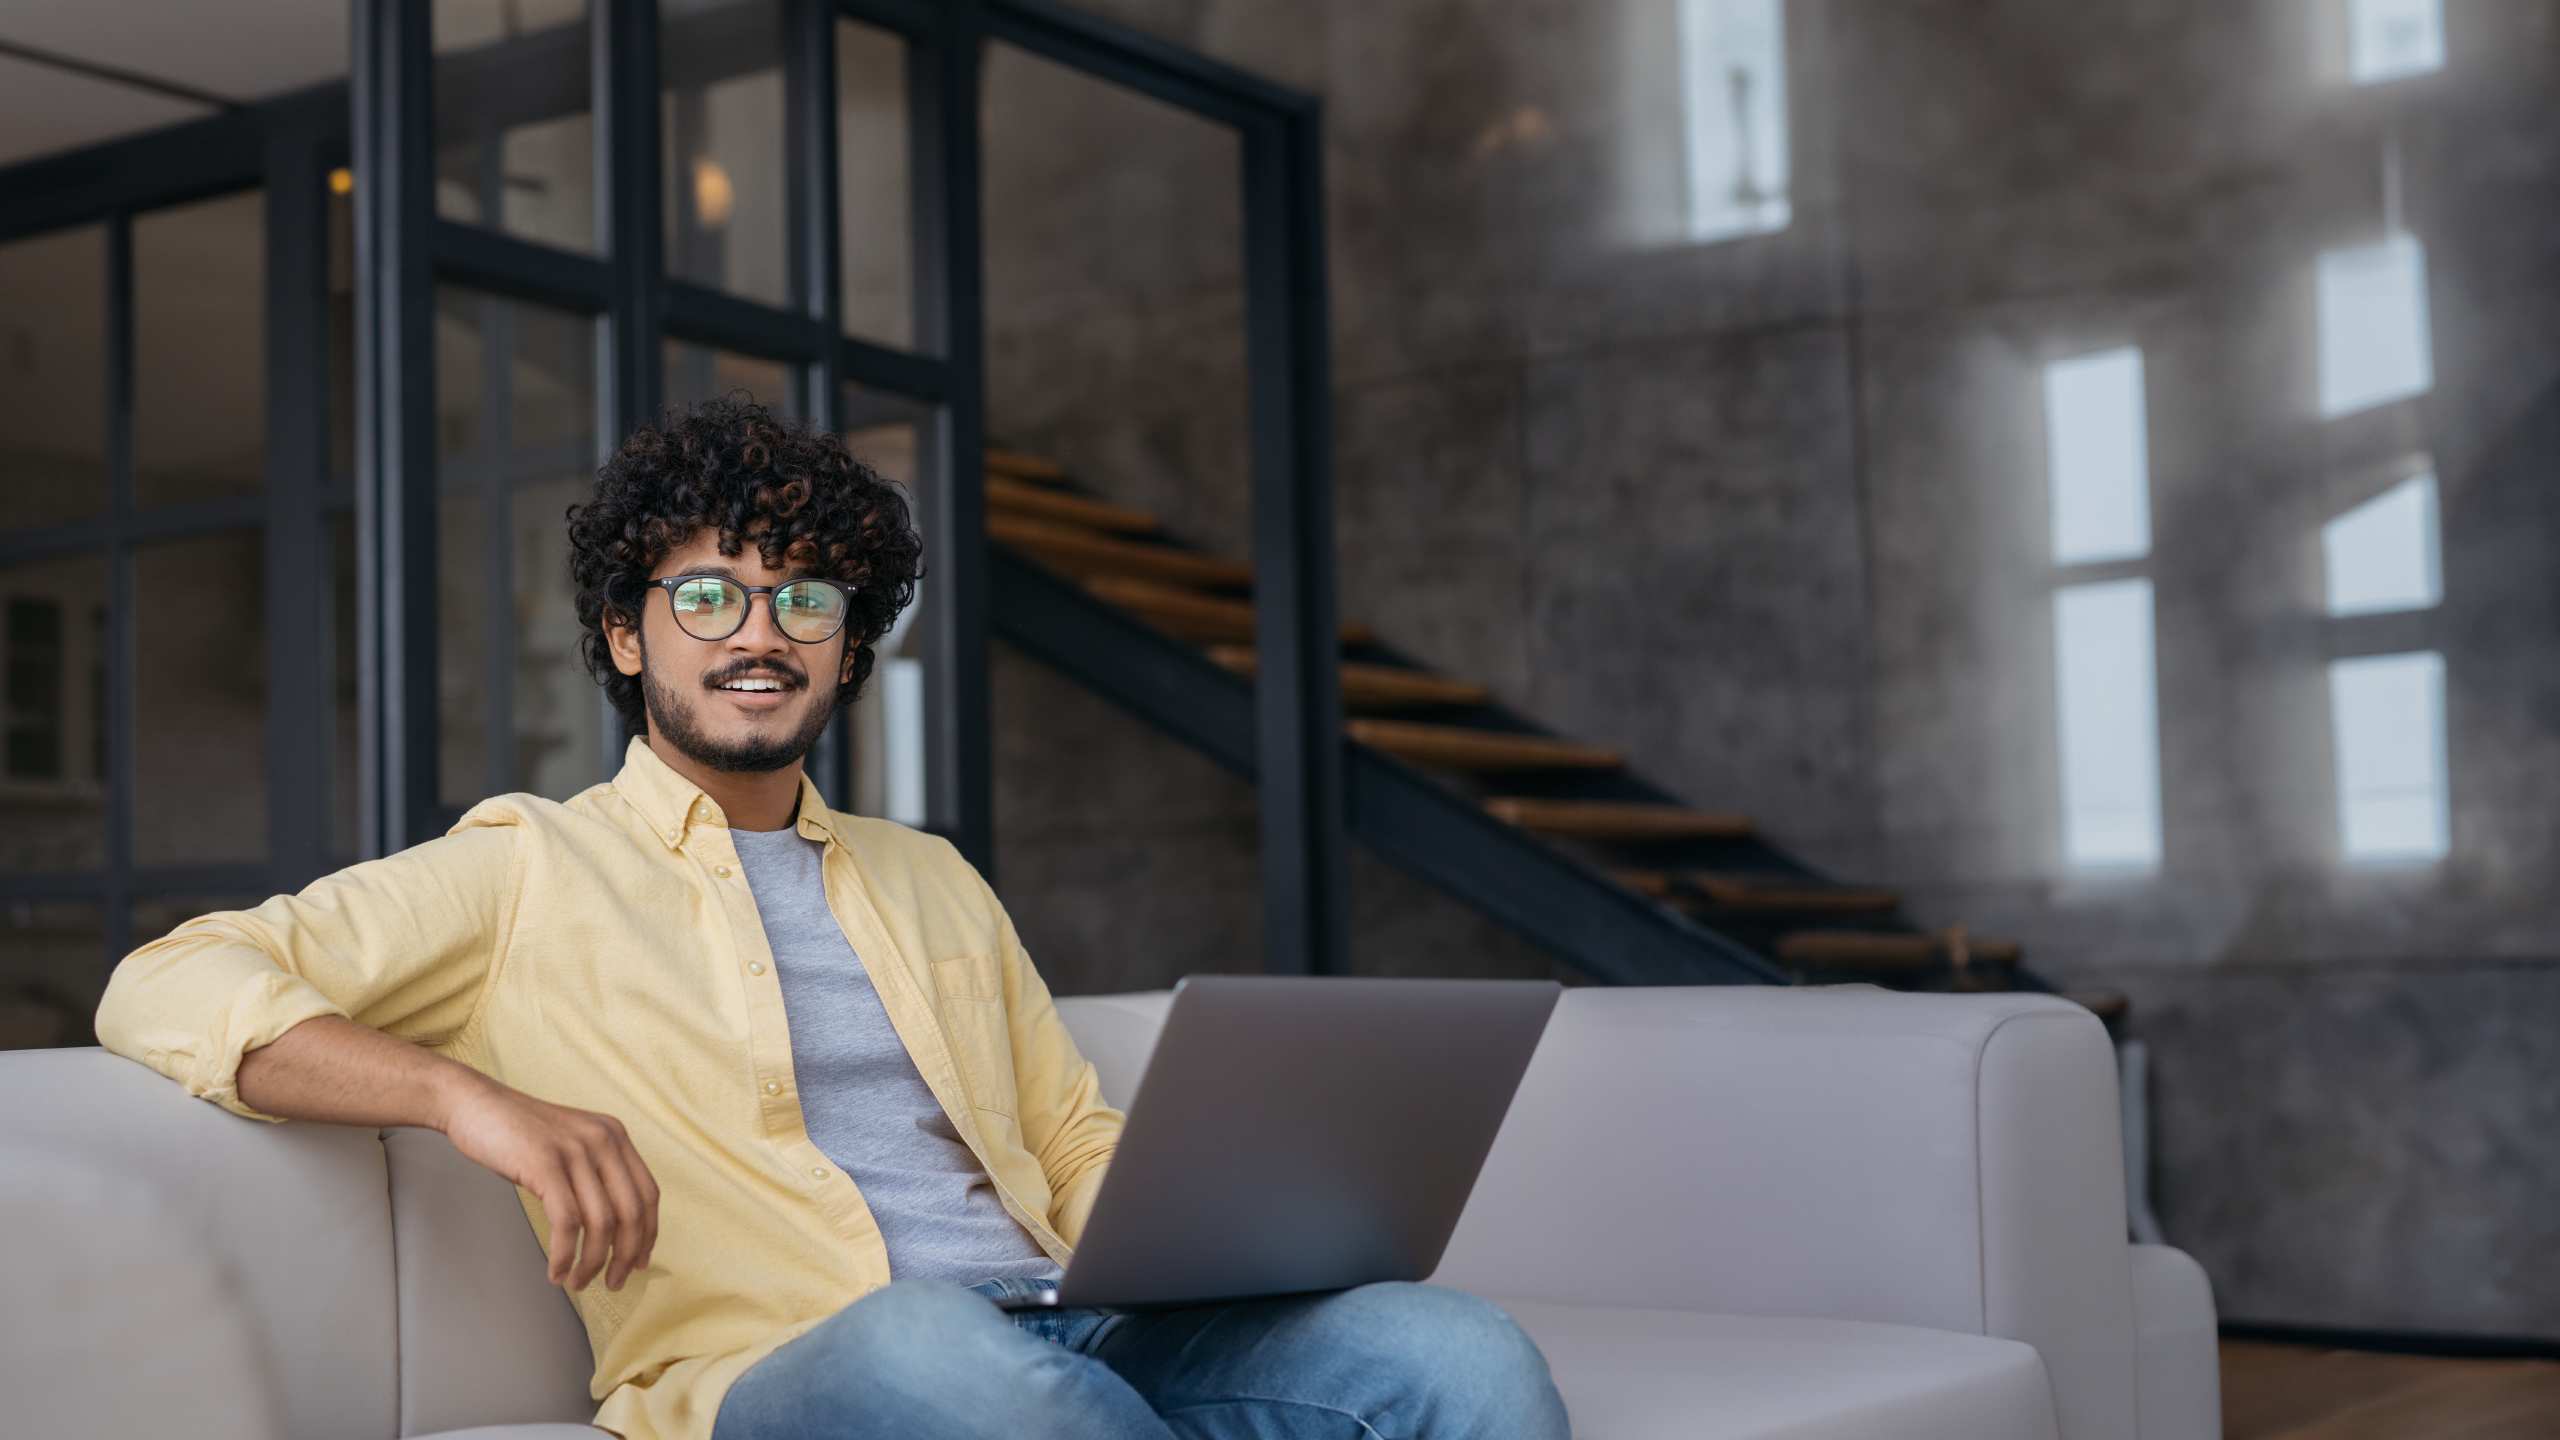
1769 514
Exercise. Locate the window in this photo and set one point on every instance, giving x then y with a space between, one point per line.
34 683
2097 458
1733 101
2384 554
2108 715
2106 711
2387 714
2374 345
2394 39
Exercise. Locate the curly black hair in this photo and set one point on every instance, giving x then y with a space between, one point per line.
792 490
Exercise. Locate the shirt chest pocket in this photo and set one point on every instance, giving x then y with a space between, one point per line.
970 991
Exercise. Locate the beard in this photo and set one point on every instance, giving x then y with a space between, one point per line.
671 715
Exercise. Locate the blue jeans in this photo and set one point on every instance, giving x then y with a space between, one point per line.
926 1361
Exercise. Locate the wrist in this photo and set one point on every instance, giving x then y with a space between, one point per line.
455 1089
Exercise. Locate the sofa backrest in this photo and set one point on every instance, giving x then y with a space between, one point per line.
394 1287
298 1214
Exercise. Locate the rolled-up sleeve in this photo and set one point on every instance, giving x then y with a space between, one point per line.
404 945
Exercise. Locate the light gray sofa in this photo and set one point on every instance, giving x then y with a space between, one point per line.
1723 1213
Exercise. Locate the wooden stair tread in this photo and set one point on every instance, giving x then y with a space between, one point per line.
1377 687
1456 747
1021 466
1621 820
1022 498
1747 895
1892 950
1190 614
1080 552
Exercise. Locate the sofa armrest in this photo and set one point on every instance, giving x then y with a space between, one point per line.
2179 1346
1852 1154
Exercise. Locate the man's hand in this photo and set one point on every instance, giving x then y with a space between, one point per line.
598 1194
581 1165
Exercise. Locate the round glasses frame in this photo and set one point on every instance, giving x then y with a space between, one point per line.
844 601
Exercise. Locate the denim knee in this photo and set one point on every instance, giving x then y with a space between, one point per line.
1473 1368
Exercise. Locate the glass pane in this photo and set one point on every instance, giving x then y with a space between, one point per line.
53 765
200 700
1733 111
2108 715
2388 714
2375 344
724 172
887 720
2097 457
2391 39
559 730
876 271
344 817
342 327
53 966
200 351
696 373
463 695
515 125
53 378
2385 554
515 405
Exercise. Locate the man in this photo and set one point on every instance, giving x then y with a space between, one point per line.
782 1078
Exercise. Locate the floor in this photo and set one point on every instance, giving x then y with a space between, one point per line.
2292 1392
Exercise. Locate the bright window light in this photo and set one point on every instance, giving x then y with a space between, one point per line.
2107 706
2097 457
902 739
1733 111
2374 346
2384 555
2387 714
2394 39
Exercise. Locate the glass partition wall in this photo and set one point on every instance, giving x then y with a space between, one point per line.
296 398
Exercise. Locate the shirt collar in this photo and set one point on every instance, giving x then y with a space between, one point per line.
673 805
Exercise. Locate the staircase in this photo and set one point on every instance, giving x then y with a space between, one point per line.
1552 837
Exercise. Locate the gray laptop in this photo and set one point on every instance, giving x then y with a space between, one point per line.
1302 1134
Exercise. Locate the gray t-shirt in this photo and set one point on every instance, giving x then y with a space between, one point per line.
860 1094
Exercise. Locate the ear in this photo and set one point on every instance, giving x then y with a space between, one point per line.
852 653
624 640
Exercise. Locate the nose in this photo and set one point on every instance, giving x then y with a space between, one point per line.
762 630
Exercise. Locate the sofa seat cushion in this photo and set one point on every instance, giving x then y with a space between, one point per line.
1629 1374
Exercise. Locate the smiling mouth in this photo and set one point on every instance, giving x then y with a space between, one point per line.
755 685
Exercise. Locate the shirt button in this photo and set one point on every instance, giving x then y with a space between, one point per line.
773 1087
817 1172
720 870
671 834
755 967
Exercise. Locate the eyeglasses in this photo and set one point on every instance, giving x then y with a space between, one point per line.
714 607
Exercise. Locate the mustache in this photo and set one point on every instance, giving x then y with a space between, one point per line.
791 676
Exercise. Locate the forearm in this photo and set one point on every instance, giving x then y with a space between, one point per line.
331 1069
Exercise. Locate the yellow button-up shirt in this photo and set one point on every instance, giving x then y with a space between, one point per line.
607 954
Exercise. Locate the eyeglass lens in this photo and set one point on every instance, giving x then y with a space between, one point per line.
710 608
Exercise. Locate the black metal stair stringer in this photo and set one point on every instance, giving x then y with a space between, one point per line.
1572 912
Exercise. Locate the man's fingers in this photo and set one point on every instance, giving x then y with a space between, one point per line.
613 1167
595 1206
550 1185
648 1186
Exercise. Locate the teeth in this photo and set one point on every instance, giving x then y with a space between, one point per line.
753 685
